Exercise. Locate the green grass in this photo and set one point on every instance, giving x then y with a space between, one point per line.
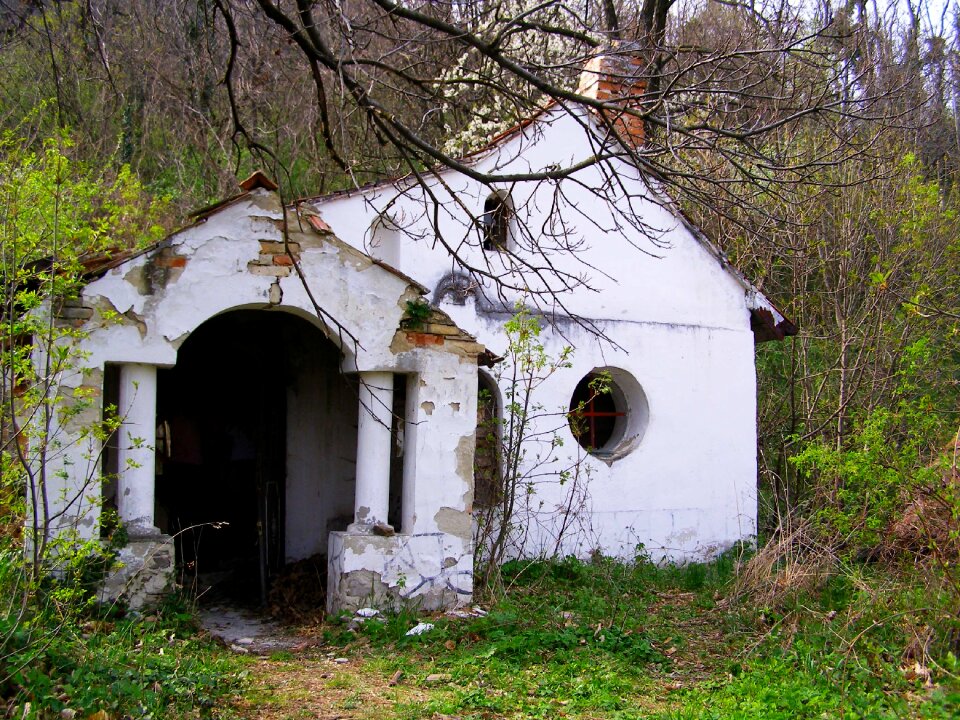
59 652
608 640
571 639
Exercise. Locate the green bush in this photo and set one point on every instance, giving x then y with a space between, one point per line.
892 456
60 650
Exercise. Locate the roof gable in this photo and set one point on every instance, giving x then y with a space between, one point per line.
251 253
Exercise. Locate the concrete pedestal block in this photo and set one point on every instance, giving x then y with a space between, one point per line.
144 573
432 571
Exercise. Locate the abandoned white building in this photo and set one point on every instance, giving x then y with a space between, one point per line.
320 418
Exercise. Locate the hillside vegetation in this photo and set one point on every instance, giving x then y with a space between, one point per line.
818 146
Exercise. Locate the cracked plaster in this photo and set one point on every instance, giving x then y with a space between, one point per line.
159 298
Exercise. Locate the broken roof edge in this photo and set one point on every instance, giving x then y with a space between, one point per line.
96 266
257 180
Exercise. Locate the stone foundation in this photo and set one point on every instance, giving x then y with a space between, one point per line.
429 572
143 575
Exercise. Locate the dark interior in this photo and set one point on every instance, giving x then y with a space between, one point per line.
593 413
221 460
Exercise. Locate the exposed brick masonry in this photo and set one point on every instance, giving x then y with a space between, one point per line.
274 259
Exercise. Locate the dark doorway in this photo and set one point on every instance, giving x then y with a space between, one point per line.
222 452
487 459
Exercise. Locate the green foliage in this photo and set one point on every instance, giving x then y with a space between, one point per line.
568 635
606 639
614 640
62 651
600 384
54 205
848 652
527 452
77 568
890 457
416 314
58 215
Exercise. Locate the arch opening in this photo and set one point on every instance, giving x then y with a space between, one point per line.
487 460
257 459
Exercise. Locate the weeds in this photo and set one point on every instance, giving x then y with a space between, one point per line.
570 639
60 653
615 640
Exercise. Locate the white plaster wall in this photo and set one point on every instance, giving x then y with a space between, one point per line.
688 488
217 279
321 459
678 318
636 260
430 561
443 423
429 571
153 310
66 479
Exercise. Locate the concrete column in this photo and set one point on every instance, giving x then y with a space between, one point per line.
137 439
373 450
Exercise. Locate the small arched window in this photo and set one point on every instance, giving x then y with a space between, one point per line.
497 213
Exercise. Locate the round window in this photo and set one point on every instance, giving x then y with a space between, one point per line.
608 412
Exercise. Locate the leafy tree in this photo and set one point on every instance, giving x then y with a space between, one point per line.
59 219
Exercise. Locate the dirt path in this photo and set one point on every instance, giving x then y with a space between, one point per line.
323 687
292 677
245 631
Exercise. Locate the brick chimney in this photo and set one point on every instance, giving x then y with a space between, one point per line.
617 77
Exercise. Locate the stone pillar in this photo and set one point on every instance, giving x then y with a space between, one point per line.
137 441
373 450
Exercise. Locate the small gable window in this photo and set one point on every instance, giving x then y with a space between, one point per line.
497 214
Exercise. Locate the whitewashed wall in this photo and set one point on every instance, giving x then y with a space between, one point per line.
146 307
676 316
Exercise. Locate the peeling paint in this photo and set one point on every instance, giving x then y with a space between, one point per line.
236 259
363 587
455 522
465 452
143 575
683 537
275 295
429 572
136 320
176 342
137 278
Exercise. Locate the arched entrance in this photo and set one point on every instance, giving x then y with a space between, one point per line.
487 459
256 449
